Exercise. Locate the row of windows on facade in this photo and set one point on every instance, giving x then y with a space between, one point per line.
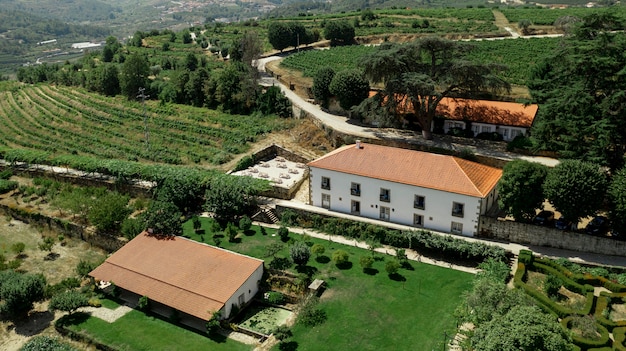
385 214
419 201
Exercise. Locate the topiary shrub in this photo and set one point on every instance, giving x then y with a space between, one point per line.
143 303
551 285
341 257
283 233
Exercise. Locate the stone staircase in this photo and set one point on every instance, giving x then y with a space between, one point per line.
266 214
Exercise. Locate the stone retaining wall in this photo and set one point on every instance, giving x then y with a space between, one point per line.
105 242
523 233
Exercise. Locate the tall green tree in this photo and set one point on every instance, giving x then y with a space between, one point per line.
300 253
339 32
350 87
617 196
417 75
108 213
321 85
576 188
581 91
109 80
520 190
68 301
231 196
134 75
163 218
18 292
522 328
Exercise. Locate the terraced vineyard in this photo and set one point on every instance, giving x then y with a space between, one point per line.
66 120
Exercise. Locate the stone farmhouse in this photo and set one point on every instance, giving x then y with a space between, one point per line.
182 275
420 189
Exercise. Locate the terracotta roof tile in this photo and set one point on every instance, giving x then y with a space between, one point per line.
422 169
485 111
191 277
481 111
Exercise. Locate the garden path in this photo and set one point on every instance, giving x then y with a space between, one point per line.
106 314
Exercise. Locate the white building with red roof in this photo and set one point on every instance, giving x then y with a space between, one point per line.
187 276
420 189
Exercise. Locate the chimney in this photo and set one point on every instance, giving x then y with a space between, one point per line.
358 144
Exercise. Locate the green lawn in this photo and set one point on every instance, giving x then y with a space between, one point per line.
136 331
368 312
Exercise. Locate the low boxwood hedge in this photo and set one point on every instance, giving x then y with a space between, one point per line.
585 343
619 334
567 282
604 300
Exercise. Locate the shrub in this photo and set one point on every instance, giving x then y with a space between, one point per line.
289 218
47 244
340 257
392 266
231 232
18 248
6 174
300 253
282 332
143 303
213 325
195 220
493 136
7 185
245 223
497 271
319 249
366 262
520 142
131 227
245 162
84 267
551 285
283 233
46 343
275 297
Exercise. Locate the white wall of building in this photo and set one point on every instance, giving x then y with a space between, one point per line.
248 290
437 212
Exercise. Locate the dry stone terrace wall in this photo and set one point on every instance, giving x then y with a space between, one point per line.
523 233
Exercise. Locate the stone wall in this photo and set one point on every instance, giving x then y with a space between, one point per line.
105 242
274 150
523 233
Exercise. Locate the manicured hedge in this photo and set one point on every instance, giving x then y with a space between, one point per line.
619 334
567 282
525 257
587 343
544 301
604 300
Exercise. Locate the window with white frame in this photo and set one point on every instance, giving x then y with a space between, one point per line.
384 195
418 220
326 183
485 129
355 189
505 133
419 202
356 207
475 129
456 228
457 209
326 200
384 213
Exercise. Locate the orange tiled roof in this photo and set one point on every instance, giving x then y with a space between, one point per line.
480 111
422 169
186 275
485 111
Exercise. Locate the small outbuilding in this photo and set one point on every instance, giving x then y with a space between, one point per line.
178 274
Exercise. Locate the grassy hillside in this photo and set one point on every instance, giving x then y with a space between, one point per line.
68 120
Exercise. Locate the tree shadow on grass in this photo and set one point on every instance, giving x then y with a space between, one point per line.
249 232
408 266
344 265
288 346
397 277
200 232
34 324
308 270
51 256
73 319
322 259
370 271
235 241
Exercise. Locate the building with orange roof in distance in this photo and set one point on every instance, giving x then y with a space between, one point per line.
508 119
415 188
182 275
